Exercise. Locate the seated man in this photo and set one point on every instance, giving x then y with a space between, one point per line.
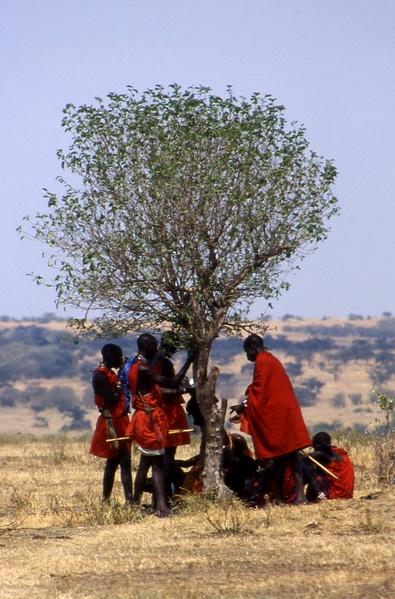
239 466
336 460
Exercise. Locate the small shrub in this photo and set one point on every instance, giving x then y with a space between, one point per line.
338 401
356 398
228 516
305 396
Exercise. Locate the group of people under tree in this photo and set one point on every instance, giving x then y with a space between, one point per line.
270 414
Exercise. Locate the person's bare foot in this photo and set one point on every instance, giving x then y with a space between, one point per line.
166 513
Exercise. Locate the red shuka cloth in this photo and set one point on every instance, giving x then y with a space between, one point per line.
175 413
344 470
120 419
148 430
273 414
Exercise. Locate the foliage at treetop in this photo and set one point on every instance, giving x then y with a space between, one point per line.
186 208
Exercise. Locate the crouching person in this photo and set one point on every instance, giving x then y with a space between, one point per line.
336 460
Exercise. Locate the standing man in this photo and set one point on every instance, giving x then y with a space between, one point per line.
149 425
272 416
172 406
112 422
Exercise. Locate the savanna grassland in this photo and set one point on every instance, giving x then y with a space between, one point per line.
58 540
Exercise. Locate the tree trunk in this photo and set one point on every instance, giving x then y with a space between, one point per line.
213 432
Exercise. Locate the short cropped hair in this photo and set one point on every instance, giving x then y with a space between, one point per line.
322 438
110 349
253 341
145 341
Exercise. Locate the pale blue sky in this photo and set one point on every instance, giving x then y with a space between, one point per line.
331 64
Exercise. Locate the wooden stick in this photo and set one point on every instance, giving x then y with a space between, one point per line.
321 466
172 432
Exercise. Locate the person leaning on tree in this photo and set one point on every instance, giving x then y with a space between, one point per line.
113 418
149 425
173 402
272 416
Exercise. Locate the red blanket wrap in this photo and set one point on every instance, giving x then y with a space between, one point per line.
273 414
175 413
344 470
148 426
120 419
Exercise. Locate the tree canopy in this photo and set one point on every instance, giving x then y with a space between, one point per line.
186 208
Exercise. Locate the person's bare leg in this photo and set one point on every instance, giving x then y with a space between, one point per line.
141 476
279 464
159 485
126 474
168 470
109 476
297 475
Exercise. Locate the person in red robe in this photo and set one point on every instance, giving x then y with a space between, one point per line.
272 416
336 460
173 407
110 401
149 425
173 404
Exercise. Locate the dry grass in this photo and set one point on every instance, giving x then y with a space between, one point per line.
58 540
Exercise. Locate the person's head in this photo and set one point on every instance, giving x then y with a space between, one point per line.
147 345
239 445
321 439
112 355
170 342
252 346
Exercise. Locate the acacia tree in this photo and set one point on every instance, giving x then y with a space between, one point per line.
185 208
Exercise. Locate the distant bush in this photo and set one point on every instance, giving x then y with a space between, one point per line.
78 420
382 372
293 369
328 427
360 349
386 326
9 396
305 396
383 343
366 410
338 401
356 398
224 350
313 384
63 398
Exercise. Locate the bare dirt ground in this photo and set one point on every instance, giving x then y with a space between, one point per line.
57 540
